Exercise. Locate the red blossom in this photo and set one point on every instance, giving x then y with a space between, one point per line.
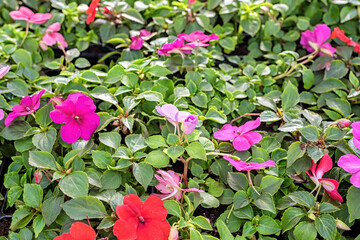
340 34
78 231
91 11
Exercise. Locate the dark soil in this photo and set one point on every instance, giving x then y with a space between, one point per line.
212 214
5 226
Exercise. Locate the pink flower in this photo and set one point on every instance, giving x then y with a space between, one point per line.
189 124
174 234
138 41
52 36
1 114
343 122
56 100
29 16
27 106
192 1
198 38
177 46
356 133
315 41
243 137
351 164
169 185
245 166
317 173
4 71
38 176
78 114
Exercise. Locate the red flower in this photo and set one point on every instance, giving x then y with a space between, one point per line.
91 11
340 34
78 231
138 220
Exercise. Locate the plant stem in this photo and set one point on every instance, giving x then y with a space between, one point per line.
26 33
317 194
186 165
244 115
251 183
223 154
228 216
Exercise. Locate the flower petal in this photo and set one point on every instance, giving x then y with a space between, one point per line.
82 231
324 165
10 118
153 208
153 230
250 125
226 133
39 18
355 179
88 125
126 229
322 33
70 132
241 143
134 203
64 236
168 110
350 163
252 137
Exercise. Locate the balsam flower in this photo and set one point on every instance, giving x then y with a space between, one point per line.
198 38
52 36
91 11
315 41
356 133
29 16
138 220
340 34
138 41
4 71
248 166
351 164
243 138
27 106
177 46
316 173
78 231
78 114
189 124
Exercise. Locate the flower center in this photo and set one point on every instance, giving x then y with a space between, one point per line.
28 109
76 117
141 219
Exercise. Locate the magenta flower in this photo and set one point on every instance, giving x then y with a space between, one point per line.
198 38
27 106
177 46
351 164
169 185
138 41
189 124
4 71
29 16
1 114
317 173
78 114
52 36
245 166
356 133
243 137
315 41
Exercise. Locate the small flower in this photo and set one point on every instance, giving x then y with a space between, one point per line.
1 114
27 106
29 16
343 122
317 172
38 176
177 46
56 101
52 36
315 41
138 220
351 164
192 1
243 137
107 10
174 234
78 114
138 41
198 38
245 166
78 231
4 71
356 133
340 34
189 124
91 11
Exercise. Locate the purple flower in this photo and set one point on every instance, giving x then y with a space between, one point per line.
177 46
244 166
138 41
315 41
78 114
189 124
198 38
243 137
4 71
351 164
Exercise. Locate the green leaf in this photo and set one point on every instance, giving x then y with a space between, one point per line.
195 234
296 151
337 70
135 142
251 25
202 222
90 76
115 74
291 217
224 232
196 150
305 231
342 106
130 80
151 96
156 141
101 159
16 130
265 202
303 198
267 226
311 133
76 184
38 225
270 184
173 208
228 43
214 115
237 181
347 13
42 116
326 226
33 195
329 84
157 159
308 78
143 174
290 97
211 4
353 79
200 100
334 133
45 140
353 196
133 15
269 144
158 71
110 139
22 56
241 199
51 209
84 207
21 218
174 152
331 17
42 160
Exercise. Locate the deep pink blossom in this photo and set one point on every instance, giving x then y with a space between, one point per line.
78 114
177 46
27 106
343 122
138 41
317 172
356 133
52 36
248 166
1 114
38 176
29 16
351 164
198 38
315 41
243 137
4 71
192 1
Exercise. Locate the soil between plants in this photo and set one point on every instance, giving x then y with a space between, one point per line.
5 226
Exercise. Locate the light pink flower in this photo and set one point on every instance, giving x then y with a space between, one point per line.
315 41
343 122
4 71
52 36
78 114
174 234
245 166
317 172
169 185
29 16
138 41
243 137
351 164
198 38
27 106
356 133
189 124
177 46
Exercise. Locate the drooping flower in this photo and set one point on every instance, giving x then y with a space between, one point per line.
315 41
340 34
78 114
316 173
351 164
38 176
248 166
29 16
198 38
138 220
78 231
27 106
356 133
138 41
343 122
52 36
169 185
91 11
177 46
4 71
189 124
243 137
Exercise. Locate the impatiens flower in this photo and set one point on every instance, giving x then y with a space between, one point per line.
198 38
317 172
4 71
169 185
78 231
52 36
177 46
343 122
139 221
189 124
356 133
1 114
351 164
315 41
192 1
78 114
174 234
245 166
138 41
340 34
27 106
56 100
38 176
91 11
243 137
29 16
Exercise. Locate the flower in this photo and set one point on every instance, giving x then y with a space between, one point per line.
78 114
198 38
315 41
4 71
245 166
177 46
340 34
243 137
56 100
1 114
351 164
169 185
138 220
174 234
189 124
356 133
317 172
343 122
38 176
192 1
52 36
27 106
78 231
138 41
29 16
91 11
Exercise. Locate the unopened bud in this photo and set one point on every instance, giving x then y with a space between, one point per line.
343 122
38 176
82 7
174 234
341 225
107 10
43 45
56 100
312 216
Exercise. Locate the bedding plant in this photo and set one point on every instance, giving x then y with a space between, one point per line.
184 119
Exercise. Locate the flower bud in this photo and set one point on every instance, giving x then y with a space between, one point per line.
174 234
38 176
43 45
341 225
82 7
189 124
343 122
56 100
